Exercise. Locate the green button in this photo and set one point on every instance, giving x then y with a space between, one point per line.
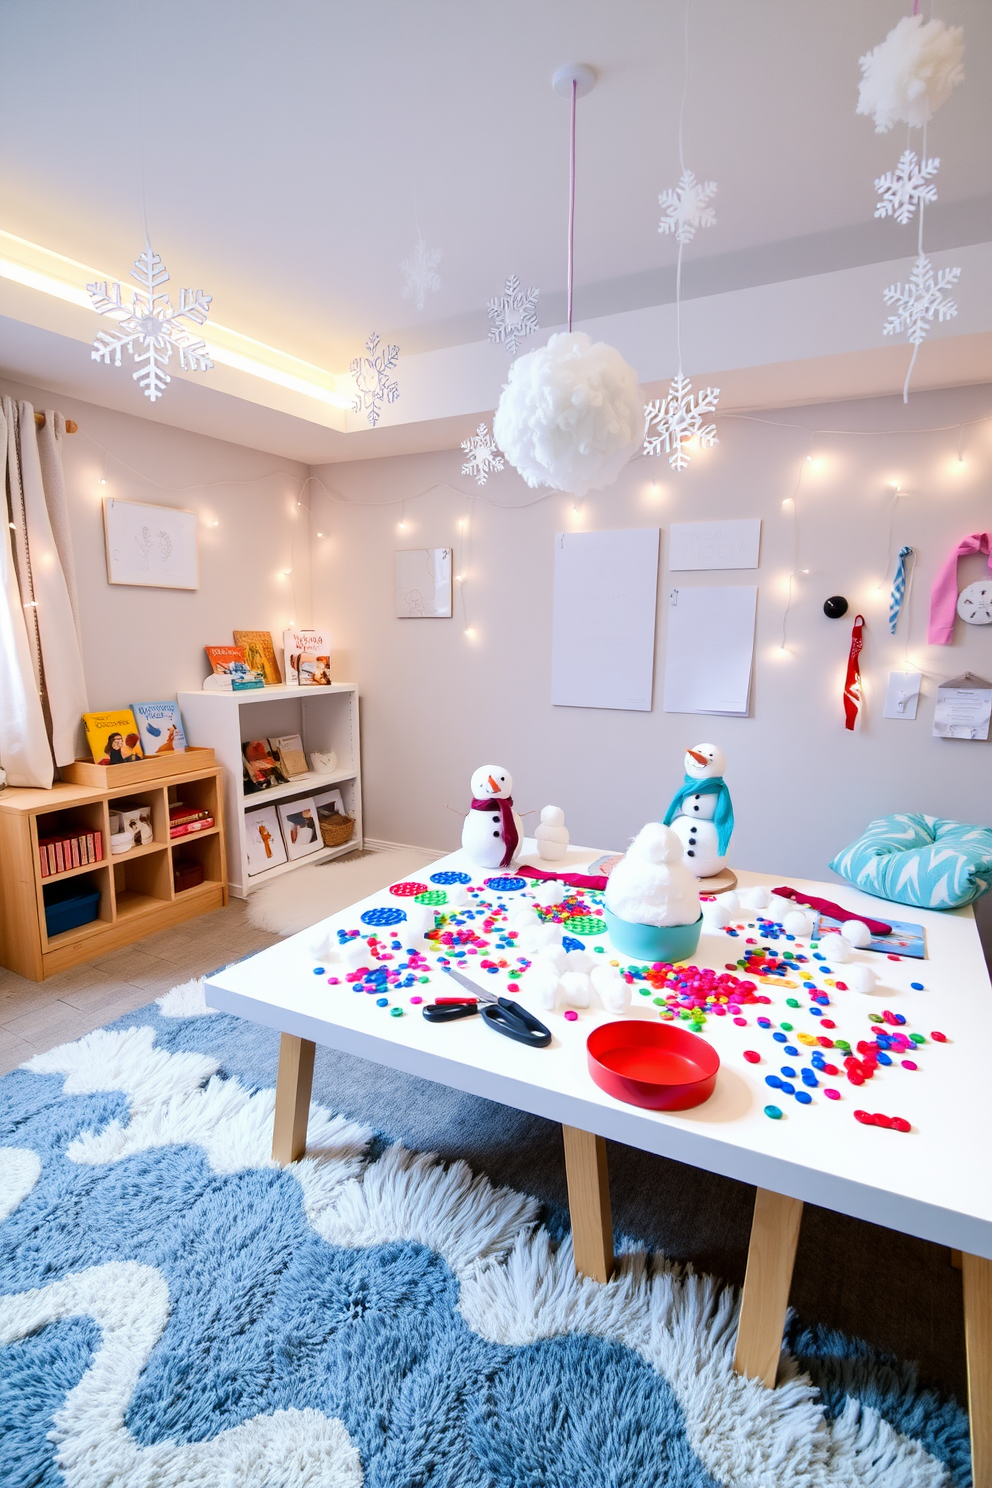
396 1012
785 1027
875 1018
792 1002
842 1044
658 1001
917 1038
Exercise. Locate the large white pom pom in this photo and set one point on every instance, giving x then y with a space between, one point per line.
570 415
910 74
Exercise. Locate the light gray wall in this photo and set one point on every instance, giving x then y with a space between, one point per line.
436 703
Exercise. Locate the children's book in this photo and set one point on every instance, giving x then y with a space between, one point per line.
299 827
329 803
261 766
160 727
263 840
288 750
308 658
260 654
229 663
905 939
113 737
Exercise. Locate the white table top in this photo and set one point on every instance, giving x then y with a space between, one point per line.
935 1181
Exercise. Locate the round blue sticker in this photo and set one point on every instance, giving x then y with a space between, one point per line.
451 876
387 915
504 885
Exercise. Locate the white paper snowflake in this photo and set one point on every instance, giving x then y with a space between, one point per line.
514 314
678 418
149 328
483 455
419 273
919 301
371 374
687 207
901 191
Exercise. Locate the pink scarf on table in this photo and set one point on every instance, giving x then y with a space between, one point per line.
944 594
507 826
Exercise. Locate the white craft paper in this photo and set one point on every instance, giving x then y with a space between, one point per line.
154 546
902 695
605 611
964 708
710 649
699 545
423 584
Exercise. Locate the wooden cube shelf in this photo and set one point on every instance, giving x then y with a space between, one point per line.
137 888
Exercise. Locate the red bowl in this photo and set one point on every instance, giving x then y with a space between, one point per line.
652 1064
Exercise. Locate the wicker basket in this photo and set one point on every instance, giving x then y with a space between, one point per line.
336 830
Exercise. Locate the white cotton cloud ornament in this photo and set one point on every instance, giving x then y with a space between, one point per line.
570 415
911 73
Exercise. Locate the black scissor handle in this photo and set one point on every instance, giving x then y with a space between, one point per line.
517 1023
447 1012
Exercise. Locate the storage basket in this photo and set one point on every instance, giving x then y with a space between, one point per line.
336 830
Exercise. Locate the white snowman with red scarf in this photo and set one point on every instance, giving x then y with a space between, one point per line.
493 832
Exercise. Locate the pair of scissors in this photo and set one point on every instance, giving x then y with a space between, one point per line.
499 1013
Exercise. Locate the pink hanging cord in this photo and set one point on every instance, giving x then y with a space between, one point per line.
571 205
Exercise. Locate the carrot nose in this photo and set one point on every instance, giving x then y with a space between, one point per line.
493 786
699 758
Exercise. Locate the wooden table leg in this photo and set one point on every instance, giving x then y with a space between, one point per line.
293 1086
770 1257
589 1202
977 1278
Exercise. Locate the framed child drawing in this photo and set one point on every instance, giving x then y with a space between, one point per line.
153 546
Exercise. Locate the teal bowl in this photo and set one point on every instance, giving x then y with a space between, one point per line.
668 943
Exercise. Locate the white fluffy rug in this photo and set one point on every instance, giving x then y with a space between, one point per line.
295 900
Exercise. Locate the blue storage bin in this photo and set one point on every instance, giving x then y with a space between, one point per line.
69 905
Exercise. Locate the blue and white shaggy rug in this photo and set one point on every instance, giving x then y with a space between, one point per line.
180 1312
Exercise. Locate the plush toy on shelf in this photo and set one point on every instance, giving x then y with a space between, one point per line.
493 831
552 834
701 813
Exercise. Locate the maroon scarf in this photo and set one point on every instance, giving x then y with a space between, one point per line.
508 826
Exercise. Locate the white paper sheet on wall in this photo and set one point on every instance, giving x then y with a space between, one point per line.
710 649
605 610
695 545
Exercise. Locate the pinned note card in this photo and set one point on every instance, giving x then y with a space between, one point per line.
602 646
902 695
698 545
710 649
964 708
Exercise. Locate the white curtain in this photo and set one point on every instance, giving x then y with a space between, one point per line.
42 687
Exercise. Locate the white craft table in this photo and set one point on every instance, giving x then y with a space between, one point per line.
935 1182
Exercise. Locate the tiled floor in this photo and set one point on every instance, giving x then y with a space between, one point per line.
35 1016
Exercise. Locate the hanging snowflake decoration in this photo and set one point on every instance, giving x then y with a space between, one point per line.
514 314
919 301
483 455
687 207
907 187
678 418
419 273
372 379
149 328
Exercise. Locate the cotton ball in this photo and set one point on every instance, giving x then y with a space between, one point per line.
549 893
419 919
835 948
715 915
778 907
576 988
324 946
612 989
730 903
536 937
911 73
856 933
556 956
543 983
570 415
797 922
859 978
523 916
756 898
457 895
355 953
578 961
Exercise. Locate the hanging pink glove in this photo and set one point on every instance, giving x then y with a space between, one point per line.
944 594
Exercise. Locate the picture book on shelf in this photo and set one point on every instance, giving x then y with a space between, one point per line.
299 827
288 749
329 803
260 654
160 727
263 839
261 768
308 658
229 662
113 737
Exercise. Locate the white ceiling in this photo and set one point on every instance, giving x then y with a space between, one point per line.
288 149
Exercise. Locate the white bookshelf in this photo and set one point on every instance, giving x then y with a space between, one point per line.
326 718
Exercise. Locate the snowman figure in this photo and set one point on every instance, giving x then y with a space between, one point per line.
552 834
651 885
701 812
493 832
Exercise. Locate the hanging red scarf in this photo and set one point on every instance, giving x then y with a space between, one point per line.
507 826
852 684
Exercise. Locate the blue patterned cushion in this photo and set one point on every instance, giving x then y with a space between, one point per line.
921 860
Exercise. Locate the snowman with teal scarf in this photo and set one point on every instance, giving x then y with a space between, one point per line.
701 814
